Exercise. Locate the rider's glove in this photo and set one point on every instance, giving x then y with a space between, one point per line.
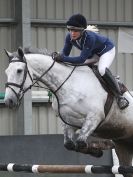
57 56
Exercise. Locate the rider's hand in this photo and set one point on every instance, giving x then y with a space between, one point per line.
56 56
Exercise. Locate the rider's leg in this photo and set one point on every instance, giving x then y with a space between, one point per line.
104 63
111 81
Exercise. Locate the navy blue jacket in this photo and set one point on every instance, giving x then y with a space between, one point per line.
90 43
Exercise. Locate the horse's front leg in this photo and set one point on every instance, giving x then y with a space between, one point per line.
69 134
89 125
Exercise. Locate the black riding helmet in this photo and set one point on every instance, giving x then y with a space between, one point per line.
76 21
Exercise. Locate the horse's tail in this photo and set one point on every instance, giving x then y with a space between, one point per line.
92 28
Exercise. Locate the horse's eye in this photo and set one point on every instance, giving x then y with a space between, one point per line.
19 71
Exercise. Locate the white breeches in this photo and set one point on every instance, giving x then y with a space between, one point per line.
106 60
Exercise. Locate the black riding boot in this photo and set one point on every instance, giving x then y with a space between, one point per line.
111 81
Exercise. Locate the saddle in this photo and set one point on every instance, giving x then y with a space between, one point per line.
110 96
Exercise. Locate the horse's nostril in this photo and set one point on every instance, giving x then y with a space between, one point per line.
10 103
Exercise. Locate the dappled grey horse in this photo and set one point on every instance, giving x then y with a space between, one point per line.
79 101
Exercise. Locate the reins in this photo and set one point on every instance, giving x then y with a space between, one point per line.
65 80
21 92
54 92
38 79
26 71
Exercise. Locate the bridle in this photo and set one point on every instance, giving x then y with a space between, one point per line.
22 91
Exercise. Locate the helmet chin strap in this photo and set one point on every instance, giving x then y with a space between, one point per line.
82 32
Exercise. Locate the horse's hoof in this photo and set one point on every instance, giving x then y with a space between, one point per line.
69 145
80 145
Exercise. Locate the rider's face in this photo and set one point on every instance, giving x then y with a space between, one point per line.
75 34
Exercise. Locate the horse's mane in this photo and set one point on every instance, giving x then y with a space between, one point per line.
31 50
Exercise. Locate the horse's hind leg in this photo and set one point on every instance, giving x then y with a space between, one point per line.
124 153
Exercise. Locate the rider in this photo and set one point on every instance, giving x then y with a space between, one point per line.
92 46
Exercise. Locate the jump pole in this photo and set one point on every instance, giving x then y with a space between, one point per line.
88 169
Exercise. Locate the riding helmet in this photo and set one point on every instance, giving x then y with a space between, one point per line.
77 21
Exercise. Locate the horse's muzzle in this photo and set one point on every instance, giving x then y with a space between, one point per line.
10 103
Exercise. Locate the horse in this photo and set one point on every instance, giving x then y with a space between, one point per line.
79 101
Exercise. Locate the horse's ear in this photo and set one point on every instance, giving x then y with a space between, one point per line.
20 52
9 54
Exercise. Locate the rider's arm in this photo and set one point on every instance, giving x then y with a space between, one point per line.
67 46
86 52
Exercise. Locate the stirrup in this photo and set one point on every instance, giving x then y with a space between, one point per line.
122 102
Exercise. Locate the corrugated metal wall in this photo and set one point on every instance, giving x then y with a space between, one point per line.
101 12
44 120
7 36
7 41
108 14
94 10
